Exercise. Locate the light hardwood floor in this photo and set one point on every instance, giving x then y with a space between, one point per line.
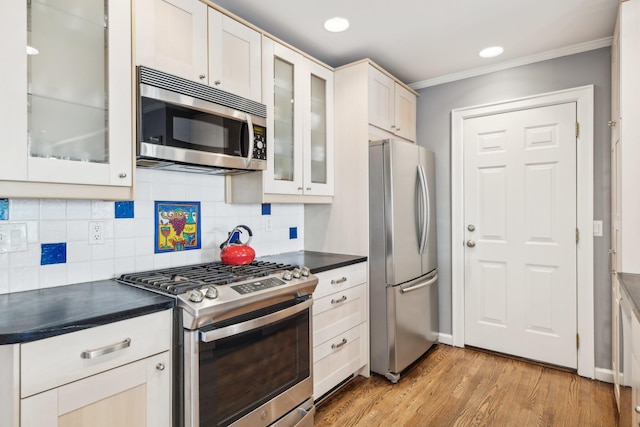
452 386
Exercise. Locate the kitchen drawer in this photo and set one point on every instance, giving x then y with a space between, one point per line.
334 361
51 362
340 278
338 312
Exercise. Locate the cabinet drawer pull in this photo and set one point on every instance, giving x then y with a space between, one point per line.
160 366
337 281
340 344
339 300
90 354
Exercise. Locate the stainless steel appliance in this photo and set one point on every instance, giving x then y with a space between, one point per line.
403 272
245 340
188 126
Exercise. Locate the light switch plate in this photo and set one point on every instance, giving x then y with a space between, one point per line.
13 237
597 228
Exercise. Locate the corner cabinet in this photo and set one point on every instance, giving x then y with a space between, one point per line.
340 328
67 100
189 39
298 93
116 374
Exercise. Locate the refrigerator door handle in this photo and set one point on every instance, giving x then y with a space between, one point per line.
420 286
424 221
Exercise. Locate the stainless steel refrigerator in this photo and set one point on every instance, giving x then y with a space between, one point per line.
403 272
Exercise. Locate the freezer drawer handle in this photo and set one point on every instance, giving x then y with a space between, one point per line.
338 281
339 300
90 354
340 344
420 286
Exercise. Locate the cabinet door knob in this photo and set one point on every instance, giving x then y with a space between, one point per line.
308 188
398 129
123 175
299 188
217 82
611 123
160 366
202 76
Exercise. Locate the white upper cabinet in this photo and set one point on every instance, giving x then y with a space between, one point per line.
191 40
67 99
171 36
234 56
299 97
391 106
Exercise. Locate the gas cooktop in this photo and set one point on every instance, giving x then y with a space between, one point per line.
210 292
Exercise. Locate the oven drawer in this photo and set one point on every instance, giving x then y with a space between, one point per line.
338 313
340 278
51 362
336 359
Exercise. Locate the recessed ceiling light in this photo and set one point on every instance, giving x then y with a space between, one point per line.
32 50
336 25
490 52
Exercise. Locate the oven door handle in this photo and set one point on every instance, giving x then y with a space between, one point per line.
238 328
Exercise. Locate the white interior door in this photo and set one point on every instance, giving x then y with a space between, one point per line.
520 220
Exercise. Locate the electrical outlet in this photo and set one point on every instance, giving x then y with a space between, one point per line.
267 223
96 233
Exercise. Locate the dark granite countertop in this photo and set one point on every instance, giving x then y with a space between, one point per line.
630 284
316 261
33 315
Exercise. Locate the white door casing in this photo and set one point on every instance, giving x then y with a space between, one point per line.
583 97
520 211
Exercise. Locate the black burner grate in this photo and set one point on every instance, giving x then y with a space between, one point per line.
177 280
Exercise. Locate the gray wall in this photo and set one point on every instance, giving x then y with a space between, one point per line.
434 132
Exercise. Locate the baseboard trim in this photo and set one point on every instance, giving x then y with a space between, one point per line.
445 339
605 375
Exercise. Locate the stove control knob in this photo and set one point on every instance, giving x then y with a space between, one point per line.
196 295
304 272
286 275
212 292
296 273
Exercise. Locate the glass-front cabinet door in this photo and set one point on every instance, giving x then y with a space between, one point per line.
68 113
299 97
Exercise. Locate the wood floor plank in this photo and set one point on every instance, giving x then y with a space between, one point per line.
465 387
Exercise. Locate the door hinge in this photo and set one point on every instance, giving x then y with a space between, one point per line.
577 129
577 235
577 340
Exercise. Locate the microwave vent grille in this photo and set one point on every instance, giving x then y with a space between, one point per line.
184 86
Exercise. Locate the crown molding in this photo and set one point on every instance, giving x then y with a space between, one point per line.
551 54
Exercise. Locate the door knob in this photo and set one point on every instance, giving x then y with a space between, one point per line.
471 243
471 227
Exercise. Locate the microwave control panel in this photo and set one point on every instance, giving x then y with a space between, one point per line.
259 142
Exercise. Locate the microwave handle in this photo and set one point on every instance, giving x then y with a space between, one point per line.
251 141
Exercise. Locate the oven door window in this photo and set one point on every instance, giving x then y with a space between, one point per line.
172 125
244 371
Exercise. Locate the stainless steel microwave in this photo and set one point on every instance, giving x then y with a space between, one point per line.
191 127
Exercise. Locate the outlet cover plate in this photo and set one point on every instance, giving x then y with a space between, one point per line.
13 237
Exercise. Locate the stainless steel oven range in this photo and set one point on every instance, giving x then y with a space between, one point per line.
244 341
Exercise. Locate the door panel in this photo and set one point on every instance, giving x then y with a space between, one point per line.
520 261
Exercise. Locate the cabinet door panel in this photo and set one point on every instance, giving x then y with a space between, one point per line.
234 56
381 98
171 36
405 113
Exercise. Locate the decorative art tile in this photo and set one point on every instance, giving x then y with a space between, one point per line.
4 209
293 232
266 209
177 226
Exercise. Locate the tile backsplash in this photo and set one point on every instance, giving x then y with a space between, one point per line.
58 250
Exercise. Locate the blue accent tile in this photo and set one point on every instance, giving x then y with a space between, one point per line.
53 253
4 209
266 209
124 209
293 232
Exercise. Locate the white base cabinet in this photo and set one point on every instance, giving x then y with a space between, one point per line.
117 374
340 327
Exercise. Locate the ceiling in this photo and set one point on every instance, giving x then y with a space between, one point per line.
426 42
